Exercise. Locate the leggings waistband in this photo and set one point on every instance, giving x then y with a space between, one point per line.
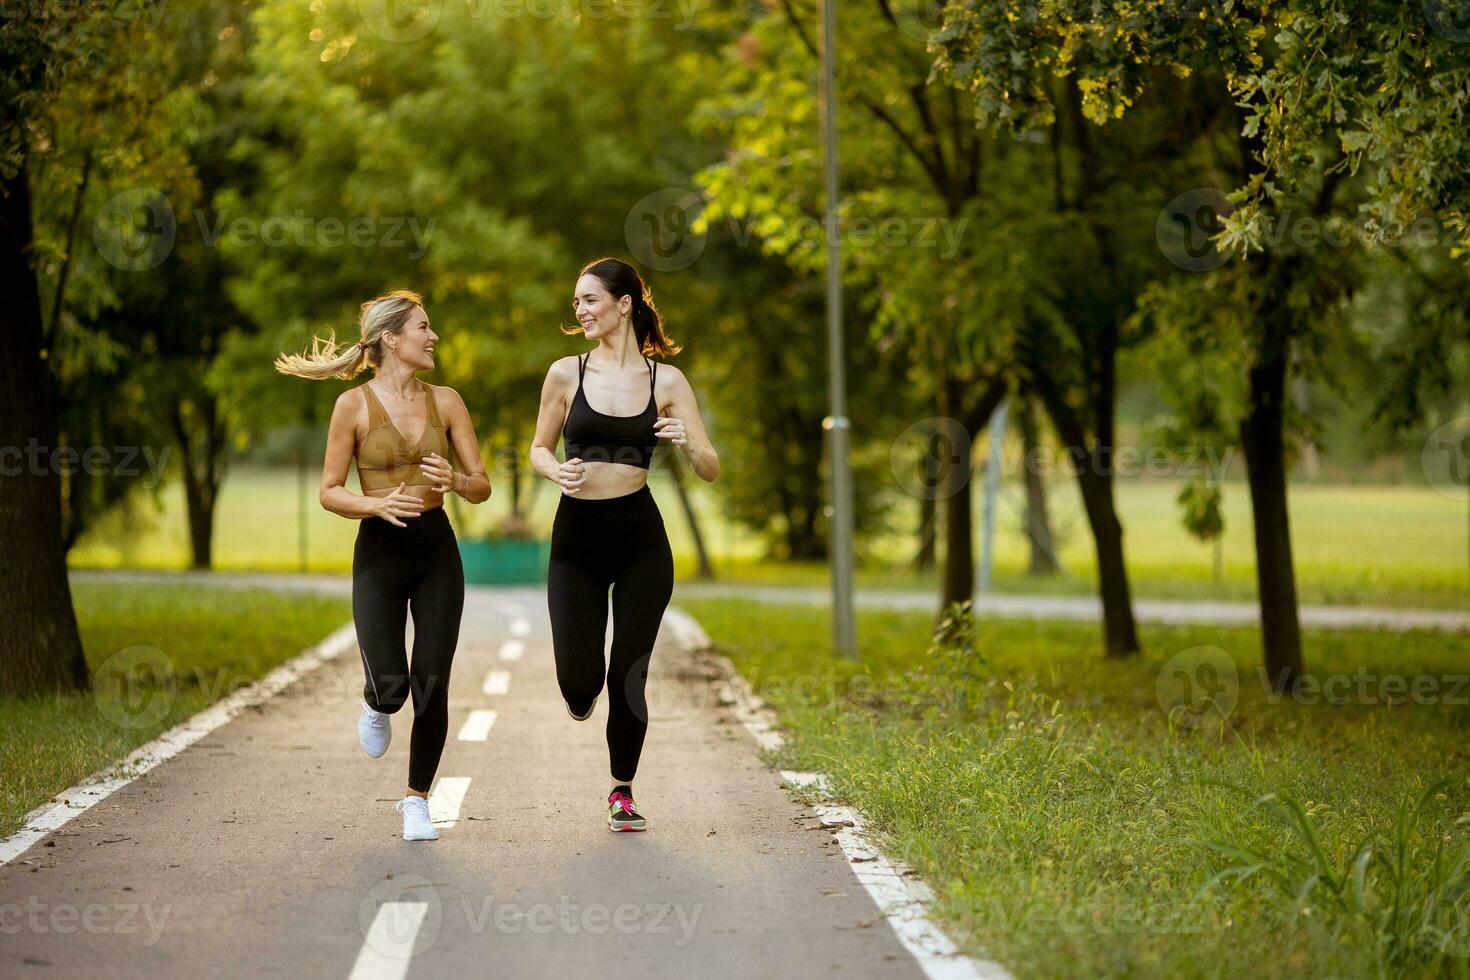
631 508
429 525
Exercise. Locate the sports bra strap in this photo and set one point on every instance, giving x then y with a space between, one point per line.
582 367
431 407
377 415
652 374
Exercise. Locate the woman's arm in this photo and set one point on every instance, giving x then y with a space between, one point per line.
334 495
684 427
473 484
549 421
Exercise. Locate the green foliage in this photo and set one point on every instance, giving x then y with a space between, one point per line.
1054 814
1410 895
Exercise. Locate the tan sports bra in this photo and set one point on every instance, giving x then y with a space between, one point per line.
384 459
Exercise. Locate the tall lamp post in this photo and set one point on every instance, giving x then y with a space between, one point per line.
840 536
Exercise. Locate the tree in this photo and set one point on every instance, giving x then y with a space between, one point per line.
910 162
1312 92
41 646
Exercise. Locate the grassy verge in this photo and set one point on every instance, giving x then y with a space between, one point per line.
212 640
1072 812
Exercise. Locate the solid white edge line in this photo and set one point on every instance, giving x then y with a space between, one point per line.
476 727
496 682
902 899
512 650
387 947
445 800
102 784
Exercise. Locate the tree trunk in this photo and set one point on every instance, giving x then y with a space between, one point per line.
928 519
40 647
1038 521
202 476
959 536
1261 436
958 579
1095 481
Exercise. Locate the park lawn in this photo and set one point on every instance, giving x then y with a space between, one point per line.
1058 809
216 640
1379 545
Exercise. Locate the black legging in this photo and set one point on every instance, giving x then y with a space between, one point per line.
396 570
597 544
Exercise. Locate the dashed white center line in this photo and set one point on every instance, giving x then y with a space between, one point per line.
388 948
520 626
512 650
445 800
497 682
476 727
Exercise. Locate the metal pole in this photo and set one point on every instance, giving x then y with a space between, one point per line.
992 487
840 539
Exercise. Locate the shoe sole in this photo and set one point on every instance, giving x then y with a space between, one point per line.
624 828
406 837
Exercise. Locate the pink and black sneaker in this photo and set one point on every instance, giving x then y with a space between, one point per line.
620 813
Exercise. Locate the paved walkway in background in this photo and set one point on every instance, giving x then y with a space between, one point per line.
1079 608
271 848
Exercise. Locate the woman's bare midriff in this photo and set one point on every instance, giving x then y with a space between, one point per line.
606 480
432 498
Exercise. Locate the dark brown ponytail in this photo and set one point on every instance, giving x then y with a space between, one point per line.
621 279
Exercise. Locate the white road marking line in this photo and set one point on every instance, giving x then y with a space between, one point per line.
387 949
902 899
445 800
100 785
520 626
497 682
476 727
512 650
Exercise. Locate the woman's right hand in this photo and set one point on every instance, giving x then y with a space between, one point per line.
571 475
398 504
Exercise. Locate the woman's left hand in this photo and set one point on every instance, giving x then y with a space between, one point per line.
668 427
437 469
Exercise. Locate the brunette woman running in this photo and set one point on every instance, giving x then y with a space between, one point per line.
608 532
406 559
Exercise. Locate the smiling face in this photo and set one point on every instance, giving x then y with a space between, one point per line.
596 310
415 342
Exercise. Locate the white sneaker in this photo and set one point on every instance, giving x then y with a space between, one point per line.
416 823
590 709
374 732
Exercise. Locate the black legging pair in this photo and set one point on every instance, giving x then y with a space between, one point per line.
618 543
397 570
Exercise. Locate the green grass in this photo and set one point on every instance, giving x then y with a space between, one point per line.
1388 545
1062 810
213 640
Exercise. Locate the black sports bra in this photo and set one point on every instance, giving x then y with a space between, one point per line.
596 438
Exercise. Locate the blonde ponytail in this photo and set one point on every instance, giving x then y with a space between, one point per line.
387 313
